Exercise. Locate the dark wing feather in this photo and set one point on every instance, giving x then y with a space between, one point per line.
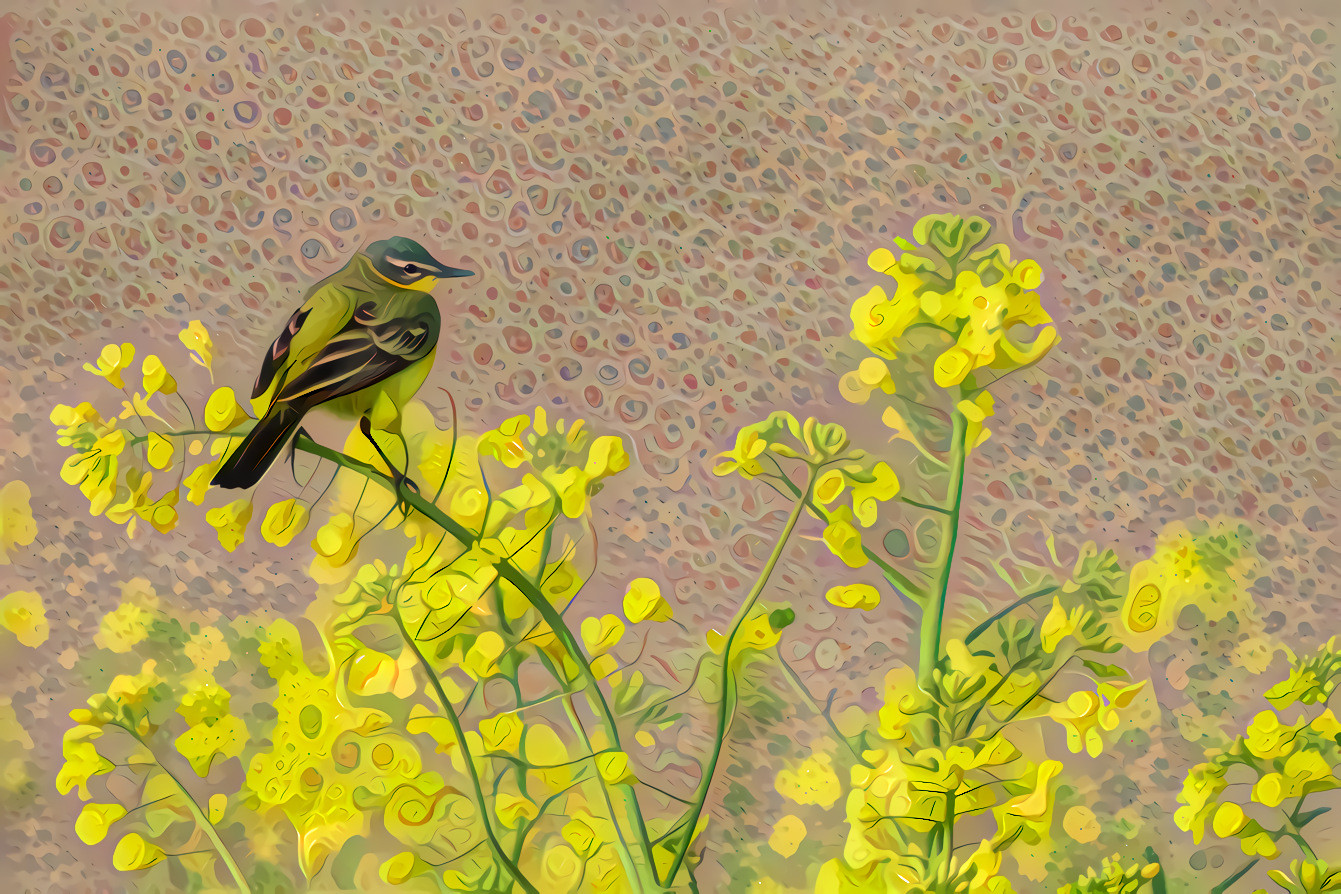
368 350
279 351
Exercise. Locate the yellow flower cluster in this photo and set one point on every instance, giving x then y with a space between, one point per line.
570 463
974 297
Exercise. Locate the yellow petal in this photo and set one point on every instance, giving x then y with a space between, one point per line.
95 820
223 412
643 602
134 852
284 521
197 340
788 833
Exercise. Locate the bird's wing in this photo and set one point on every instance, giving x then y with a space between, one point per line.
321 316
379 340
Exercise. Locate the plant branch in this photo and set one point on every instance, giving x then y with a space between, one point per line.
826 712
471 773
1023 600
625 855
933 617
202 821
727 701
519 579
1238 874
920 505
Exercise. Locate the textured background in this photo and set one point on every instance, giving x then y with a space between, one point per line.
671 216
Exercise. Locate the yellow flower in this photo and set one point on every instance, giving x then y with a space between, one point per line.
157 379
870 488
862 596
606 457
159 450
977 412
161 513
600 635
284 521
223 412
130 692
198 482
975 296
813 781
134 852
481 660
123 627
878 321
230 522
871 375
843 540
72 421
23 614
829 485
505 442
1268 738
95 820
17 527
1079 714
96 470
113 361
197 341
1207 564
643 602
207 648
788 833
1037 804
502 733
615 769
744 457
513 810
82 763
1057 625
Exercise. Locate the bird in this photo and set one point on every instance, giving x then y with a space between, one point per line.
360 345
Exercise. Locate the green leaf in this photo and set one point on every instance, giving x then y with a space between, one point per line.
781 619
1104 670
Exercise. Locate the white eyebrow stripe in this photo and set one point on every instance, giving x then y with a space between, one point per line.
397 261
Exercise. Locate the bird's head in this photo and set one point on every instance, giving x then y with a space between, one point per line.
407 264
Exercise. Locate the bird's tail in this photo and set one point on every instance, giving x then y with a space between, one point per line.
245 465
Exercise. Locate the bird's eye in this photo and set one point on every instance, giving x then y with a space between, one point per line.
411 269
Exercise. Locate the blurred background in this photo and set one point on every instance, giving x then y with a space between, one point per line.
670 212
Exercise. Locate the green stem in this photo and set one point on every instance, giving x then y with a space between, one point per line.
933 618
1033 695
519 579
1238 874
948 824
1158 885
625 855
628 797
824 712
1023 600
1304 846
450 713
727 702
202 821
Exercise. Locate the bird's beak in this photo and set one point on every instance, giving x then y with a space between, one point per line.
445 272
